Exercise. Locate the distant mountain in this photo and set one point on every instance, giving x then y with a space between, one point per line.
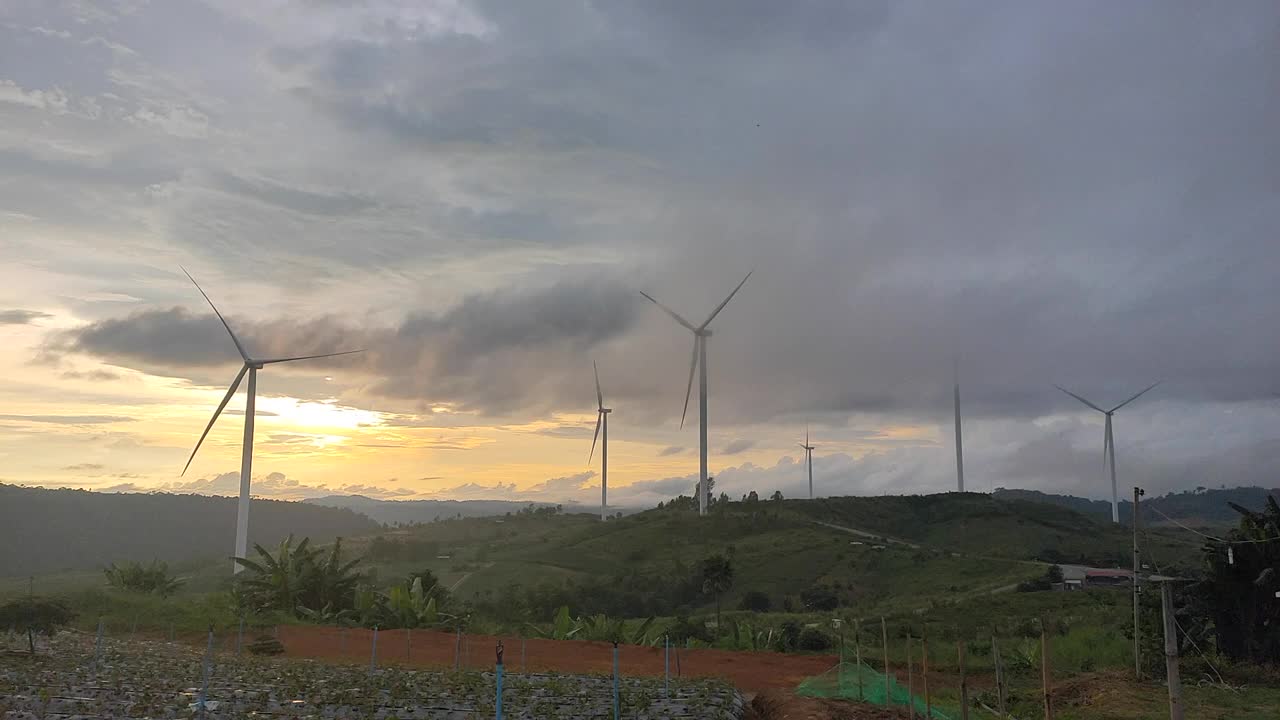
46 531
407 512
1199 507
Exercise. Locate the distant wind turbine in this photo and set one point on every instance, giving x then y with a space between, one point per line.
251 366
602 422
1109 443
808 456
959 439
700 336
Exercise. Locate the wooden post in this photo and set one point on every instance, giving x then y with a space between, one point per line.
408 644
1137 570
1171 652
924 671
884 638
964 682
1045 671
857 649
911 684
1000 688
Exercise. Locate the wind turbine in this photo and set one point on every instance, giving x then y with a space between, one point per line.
808 456
700 336
251 366
602 421
1109 443
959 439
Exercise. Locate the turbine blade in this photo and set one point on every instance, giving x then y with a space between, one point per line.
235 384
599 417
1086 402
243 355
308 357
720 307
599 395
1135 397
693 366
670 312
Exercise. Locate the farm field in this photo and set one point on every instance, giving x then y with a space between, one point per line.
137 679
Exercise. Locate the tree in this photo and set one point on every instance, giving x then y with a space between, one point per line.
820 597
752 498
1054 575
1239 590
711 486
296 578
755 601
717 578
35 615
136 577
776 496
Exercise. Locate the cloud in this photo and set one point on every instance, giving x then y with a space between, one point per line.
83 467
497 352
92 375
21 317
69 419
670 450
738 446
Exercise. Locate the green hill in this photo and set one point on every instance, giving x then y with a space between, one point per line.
46 531
1201 507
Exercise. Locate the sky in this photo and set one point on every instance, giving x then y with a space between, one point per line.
476 192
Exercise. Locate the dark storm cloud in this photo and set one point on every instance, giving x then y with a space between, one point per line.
499 351
1051 199
21 317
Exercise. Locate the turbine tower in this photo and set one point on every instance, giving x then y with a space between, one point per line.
808 457
602 422
959 439
1109 443
700 336
251 366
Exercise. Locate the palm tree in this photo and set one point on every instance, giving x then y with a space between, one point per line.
717 578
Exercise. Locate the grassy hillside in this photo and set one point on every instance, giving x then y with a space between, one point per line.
1206 507
880 552
49 531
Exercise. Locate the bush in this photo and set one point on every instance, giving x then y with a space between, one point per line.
34 615
813 640
136 577
820 597
755 601
788 636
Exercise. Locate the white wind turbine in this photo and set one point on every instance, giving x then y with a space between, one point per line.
1109 443
700 336
808 457
251 366
959 439
602 421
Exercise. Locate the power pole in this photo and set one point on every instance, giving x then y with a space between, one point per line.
1137 570
1171 652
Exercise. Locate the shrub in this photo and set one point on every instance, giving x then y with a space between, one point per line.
813 640
755 601
820 597
136 577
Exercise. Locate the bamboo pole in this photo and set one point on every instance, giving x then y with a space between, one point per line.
884 638
999 663
857 649
911 684
924 671
1045 672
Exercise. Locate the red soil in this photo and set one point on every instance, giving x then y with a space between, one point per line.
749 671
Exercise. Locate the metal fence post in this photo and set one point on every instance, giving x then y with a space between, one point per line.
457 651
666 665
498 680
204 678
617 709
97 644
240 635
373 653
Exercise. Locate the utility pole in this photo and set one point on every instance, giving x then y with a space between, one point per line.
1137 570
1171 652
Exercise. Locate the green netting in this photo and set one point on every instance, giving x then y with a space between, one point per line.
849 681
